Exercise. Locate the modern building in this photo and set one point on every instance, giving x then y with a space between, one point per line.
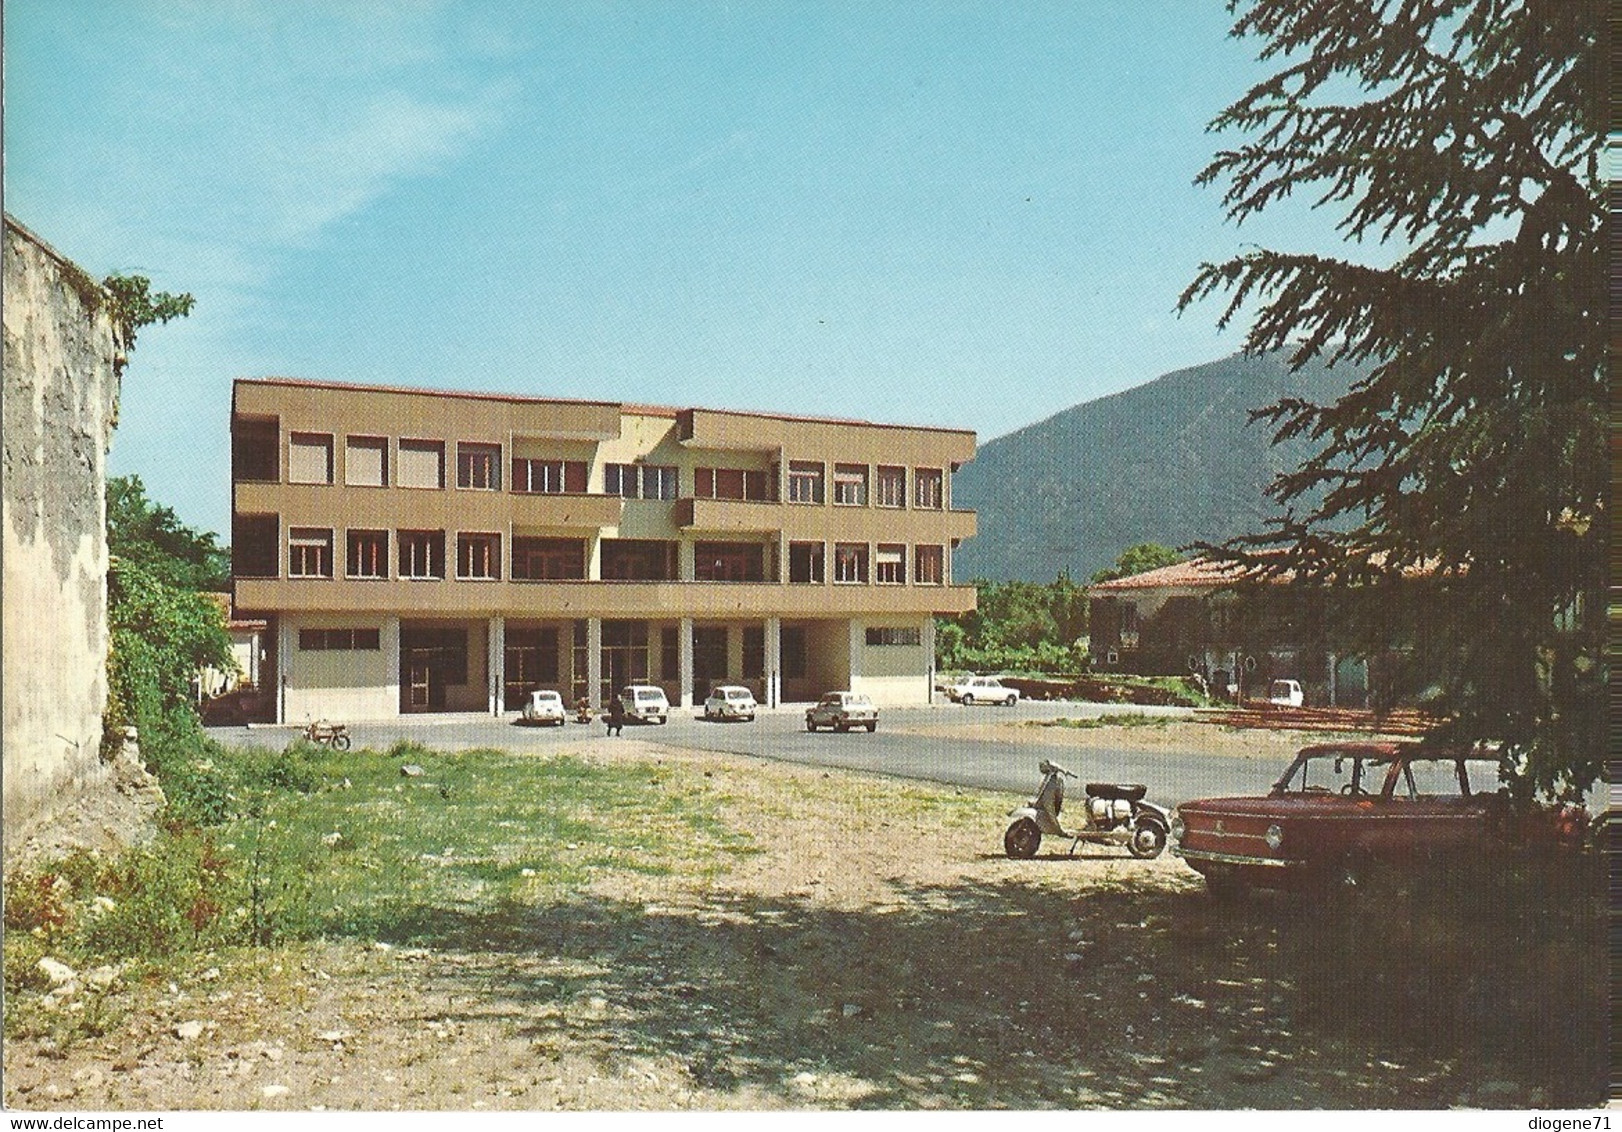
420 551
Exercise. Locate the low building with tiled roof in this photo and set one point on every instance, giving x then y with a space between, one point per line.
1191 618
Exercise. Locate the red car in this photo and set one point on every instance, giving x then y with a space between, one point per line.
1342 807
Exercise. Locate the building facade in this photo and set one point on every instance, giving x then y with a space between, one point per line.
419 551
1190 618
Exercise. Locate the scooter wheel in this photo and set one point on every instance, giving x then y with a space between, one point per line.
1147 840
1022 839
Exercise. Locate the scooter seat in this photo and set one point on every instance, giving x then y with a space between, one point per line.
1117 791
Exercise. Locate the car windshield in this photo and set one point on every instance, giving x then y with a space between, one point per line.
737 694
1335 772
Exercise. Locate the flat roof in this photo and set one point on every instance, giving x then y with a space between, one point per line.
623 406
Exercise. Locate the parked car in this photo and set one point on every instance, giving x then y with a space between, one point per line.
842 711
544 706
982 689
730 701
1342 809
1285 693
644 702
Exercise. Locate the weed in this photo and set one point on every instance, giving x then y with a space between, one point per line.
1087 723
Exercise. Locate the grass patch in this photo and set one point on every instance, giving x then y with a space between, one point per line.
1090 723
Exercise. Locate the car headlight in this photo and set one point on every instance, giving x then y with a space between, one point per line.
1177 826
1274 837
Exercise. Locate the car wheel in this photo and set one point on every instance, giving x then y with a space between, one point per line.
842 728
1147 840
967 701
1022 839
810 726
1010 701
872 727
661 721
748 719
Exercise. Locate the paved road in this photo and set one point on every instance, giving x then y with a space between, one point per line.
1171 776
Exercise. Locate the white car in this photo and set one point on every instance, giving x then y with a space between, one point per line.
645 702
544 706
982 690
730 701
840 711
1285 693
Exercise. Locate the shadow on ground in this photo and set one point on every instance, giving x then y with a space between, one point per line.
1012 994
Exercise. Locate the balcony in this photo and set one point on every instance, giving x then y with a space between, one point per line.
728 514
333 505
631 599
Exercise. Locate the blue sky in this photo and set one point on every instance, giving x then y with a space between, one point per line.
966 214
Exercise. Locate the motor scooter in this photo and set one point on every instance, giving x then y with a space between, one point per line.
1115 813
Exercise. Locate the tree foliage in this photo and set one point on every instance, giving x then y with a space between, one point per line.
134 305
1018 626
151 535
1139 559
1458 500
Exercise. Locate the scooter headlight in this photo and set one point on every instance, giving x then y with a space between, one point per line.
1274 837
1177 825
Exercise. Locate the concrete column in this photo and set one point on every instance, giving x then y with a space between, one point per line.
858 643
929 660
594 662
774 661
388 638
686 561
1333 698
684 661
284 664
497 654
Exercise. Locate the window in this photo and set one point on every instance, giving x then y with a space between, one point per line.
309 457
626 559
754 651
478 466
805 562
309 552
850 484
929 565
792 652
368 554
255 549
804 481
478 556
422 463
637 481
730 483
549 559
256 451
850 562
659 482
892 487
338 640
366 461
895 635
890 565
926 488
422 554
729 562
548 477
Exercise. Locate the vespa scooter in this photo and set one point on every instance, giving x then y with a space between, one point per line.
1115 813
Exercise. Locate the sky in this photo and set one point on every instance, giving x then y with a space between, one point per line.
955 213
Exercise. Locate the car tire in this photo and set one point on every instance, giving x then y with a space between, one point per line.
1010 701
967 701
872 727
842 728
810 726
661 721
748 719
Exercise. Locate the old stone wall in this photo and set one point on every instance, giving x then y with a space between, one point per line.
60 397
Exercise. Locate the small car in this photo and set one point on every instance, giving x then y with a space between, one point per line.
544 706
644 702
730 701
1342 810
841 711
982 689
1285 693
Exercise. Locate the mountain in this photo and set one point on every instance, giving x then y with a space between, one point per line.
1174 462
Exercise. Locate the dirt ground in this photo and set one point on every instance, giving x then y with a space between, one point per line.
877 952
